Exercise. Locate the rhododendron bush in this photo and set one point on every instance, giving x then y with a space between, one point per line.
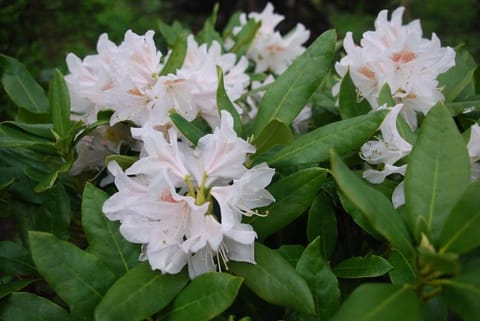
243 175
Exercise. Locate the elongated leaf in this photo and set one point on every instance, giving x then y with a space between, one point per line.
171 33
208 34
13 286
41 130
50 179
274 280
59 99
291 91
139 294
16 137
179 51
322 221
402 272
462 292
358 216
458 107
291 252
437 175
245 37
460 232
15 259
24 306
78 277
205 297
124 161
385 96
455 80
376 208
350 104
324 285
21 87
344 136
293 195
362 267
191 132
380 302
104 239
275 133
224 103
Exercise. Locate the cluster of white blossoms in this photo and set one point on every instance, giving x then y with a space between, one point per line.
185 204
127 80
391 148
397 55
270 50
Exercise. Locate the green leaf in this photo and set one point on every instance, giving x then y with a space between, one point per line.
124 161
24 306
191 132
345 136
49 180
21 87
291 252
460 232
207 296
362 267
402 272
359 216
380 302
224 103
350 104
314 268
208 34
40 130
457 78
13 286
77 277
375 207
177 56
171 33
274 280
290 92
385 96
293 195
103 235
15 259
459 107
139 294
440 262
462 292
275 133
322 221
245 37
59 99
437 175
19 138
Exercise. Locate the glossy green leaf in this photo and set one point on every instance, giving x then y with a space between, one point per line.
437 175
441 262
362 267
21 87
224 103
13 286
207 296
457 78
275 133
385 96
41 130
462 292
291 252
245 37
274 280
402 272
189 129
15 259
103 235
314 268
322 221
345 136
376 208
18 138
177 56
77 277
459 107
350 103
290 92
293 195
50 179
139 294
59 99
460 232
359 216
25 306
380 302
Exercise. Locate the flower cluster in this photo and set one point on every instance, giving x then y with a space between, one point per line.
399 56
185 204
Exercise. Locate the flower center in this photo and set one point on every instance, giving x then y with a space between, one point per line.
403 57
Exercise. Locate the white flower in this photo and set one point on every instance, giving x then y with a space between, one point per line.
165 200
269 49
398 55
